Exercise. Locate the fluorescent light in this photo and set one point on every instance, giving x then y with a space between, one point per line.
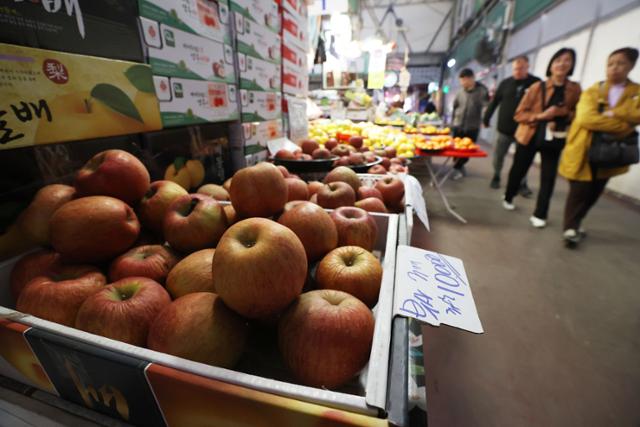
451 62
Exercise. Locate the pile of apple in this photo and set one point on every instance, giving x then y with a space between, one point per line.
189 274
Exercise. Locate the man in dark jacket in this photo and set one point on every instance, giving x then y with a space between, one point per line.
467 111
508 96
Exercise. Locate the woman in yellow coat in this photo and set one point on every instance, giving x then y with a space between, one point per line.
621 100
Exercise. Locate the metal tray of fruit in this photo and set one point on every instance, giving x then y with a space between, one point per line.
305 166
261 367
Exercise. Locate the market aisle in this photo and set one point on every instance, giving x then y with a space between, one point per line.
562 341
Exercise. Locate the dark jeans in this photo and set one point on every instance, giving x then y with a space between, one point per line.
582 196
550 154
464 133
503 142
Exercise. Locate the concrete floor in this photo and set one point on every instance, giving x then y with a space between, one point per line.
562 327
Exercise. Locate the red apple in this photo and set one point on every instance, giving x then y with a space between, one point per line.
284 154
153 206
341 150
343 174
355 227
366 192
214 191
31 266
297 189
297 155
58 293
283 171
321 153
379 152
314 228
227 184
192 274
152 261
356 159
314 198
199 327
397 169
351 269
93 229
292 204
259 267
372 204
331 144
390 152
258 190
306 157
114 173
325 337
386 162
309 146
336 194
230 213
377 169
397 161
123 310
392 190
356 142
369 157
194 222
34 220
364 149
342 161
313 187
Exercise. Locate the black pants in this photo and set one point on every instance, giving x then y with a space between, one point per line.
582 196
464 133
550 154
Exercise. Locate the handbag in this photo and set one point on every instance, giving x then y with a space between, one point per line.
611 151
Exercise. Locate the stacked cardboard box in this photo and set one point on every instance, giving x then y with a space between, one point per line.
188 45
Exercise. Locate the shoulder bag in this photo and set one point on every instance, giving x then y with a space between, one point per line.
610 151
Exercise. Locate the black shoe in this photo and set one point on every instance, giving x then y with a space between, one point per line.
525 192
495 183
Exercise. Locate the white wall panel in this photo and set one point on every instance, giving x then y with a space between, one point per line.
577 41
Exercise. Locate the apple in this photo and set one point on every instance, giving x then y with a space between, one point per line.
321 153
114 173
344 174
342 161
369 157
34 220
314 198
296 189
194 222
259 190
355 227
93 229
356 142
390 152
57 294
29 267
297 155
293 175
397 161
200 327
153 206
313 187
341 150
351 269
314 227
356 159
152 261
283 170
397 207
364 149
292 204
397 169
336 194
214 191
259 267
306 157
227 184
372 204
123 310
192 274
309 146
392 190
379 152
230 213
377 169
331 144
325 337
386 162
366 192
284 154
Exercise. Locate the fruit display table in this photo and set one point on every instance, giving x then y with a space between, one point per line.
445 171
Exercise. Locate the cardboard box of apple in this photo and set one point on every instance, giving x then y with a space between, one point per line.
189 275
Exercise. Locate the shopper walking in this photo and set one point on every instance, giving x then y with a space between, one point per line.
508 95
467 112
543 117
612 106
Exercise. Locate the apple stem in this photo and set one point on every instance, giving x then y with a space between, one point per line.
87 105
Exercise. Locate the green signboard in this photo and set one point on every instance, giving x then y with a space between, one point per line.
526 9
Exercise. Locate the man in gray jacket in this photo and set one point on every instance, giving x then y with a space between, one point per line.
467 112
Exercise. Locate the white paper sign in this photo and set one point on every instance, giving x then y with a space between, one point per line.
278 144
414 198
433 288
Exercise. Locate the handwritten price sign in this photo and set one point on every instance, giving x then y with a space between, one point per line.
433 288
